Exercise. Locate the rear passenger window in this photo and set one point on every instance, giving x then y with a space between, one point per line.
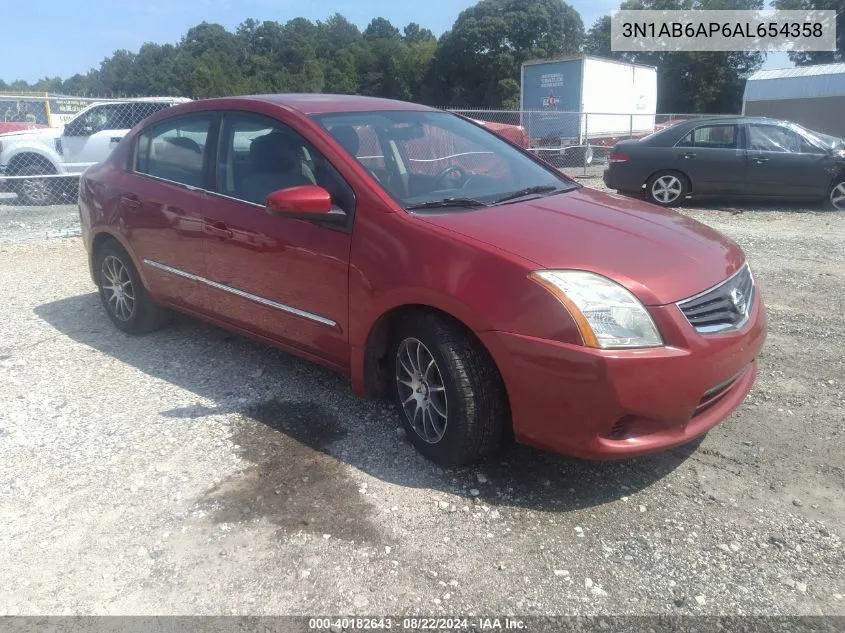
174 150
712 136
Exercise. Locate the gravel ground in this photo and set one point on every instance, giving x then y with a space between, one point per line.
196 472
20 223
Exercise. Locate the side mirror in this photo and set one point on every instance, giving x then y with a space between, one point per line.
306 202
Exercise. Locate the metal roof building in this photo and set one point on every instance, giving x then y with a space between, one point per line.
813 96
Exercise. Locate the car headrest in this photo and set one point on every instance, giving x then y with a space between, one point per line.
185 143
274 151
347 137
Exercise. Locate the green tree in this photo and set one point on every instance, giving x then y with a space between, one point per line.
597 41
818 57
489 42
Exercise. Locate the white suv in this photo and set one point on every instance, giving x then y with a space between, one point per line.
85 140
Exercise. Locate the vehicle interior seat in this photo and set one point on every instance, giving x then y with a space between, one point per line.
179 159
351 142
347 137
276 162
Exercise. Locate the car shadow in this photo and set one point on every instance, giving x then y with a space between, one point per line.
752 205
300 427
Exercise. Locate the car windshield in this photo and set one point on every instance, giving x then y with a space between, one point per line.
439 160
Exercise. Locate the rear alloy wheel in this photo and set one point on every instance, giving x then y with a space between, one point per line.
123 295
836 199
667 189
37 192
448 390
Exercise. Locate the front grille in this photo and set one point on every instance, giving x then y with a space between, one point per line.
723 307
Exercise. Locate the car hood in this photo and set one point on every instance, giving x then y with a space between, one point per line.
47 133
659 255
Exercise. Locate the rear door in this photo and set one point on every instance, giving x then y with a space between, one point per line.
162 202
783 163
713 157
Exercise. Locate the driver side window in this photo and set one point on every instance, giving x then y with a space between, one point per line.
259 155
772 138
104 117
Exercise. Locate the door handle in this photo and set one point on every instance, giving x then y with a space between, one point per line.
218 229
760 160
688 155
130 200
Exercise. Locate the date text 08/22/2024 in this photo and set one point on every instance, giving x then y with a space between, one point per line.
416 624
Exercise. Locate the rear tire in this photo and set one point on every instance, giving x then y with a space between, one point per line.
124 297
448 390
667 188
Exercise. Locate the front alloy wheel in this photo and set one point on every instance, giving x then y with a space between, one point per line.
837 196
421 390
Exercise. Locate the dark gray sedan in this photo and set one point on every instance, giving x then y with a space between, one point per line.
731 156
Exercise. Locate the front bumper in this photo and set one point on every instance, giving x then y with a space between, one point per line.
606 404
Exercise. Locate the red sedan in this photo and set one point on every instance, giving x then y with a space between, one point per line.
431 260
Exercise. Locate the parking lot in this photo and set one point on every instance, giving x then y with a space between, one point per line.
193 471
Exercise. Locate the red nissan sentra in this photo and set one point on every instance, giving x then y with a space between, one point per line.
431 260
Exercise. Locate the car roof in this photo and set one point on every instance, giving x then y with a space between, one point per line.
730 118
317 103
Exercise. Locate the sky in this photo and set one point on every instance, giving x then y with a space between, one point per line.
64 37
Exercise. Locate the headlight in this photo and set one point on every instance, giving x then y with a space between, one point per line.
607 315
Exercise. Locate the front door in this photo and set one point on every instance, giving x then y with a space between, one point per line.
783 163
713 158
161 202
282 278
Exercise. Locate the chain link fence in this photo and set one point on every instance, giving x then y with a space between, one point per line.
578 142
47 141
40 164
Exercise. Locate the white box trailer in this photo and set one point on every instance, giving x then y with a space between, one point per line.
581 101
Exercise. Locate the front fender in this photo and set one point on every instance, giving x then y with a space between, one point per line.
39 149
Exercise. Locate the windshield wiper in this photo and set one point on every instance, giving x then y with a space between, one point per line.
448 202
527 192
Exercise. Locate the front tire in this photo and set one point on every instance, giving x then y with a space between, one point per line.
36 192
448 390
836 196
667 188
124 297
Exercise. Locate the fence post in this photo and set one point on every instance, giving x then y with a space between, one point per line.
586 143
631 126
